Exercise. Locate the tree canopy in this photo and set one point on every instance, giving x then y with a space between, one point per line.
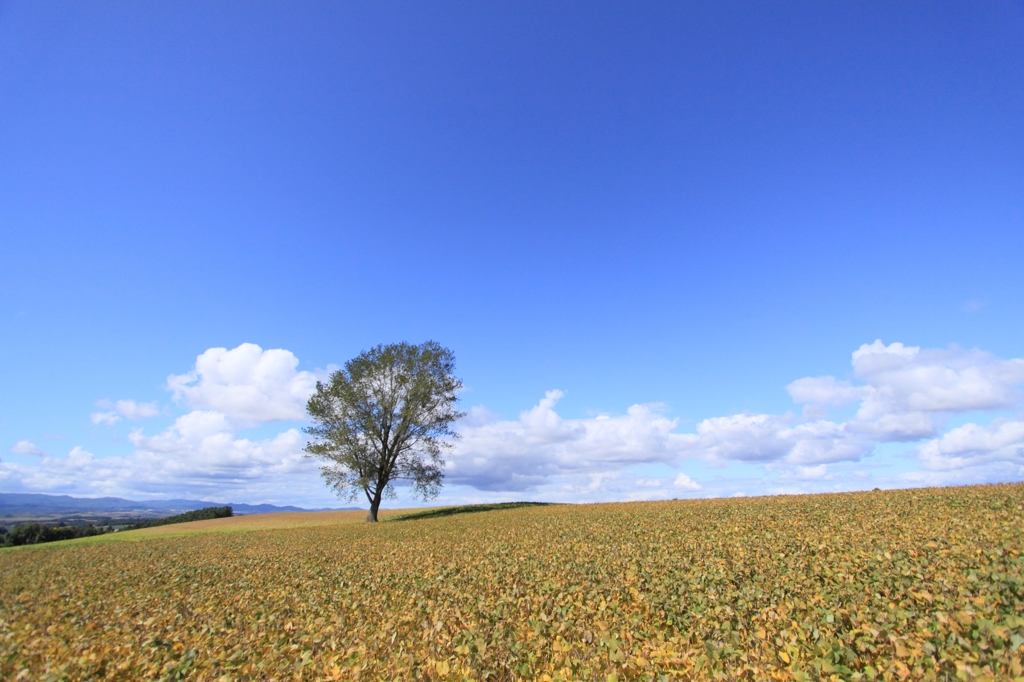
386 417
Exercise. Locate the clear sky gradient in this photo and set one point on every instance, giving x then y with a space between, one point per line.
681 207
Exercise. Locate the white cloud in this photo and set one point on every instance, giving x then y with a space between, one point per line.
907 388
198 457
128 409
812 473
26 447
201 454
768 438
824 391
742 437
521 454
972 445
684 481
247 384
203 445
824 442
515 455
904 394
136 411
906 379
52 473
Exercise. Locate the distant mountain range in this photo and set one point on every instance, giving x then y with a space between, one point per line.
34 504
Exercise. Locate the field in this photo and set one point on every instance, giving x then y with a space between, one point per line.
239 524
234 524
920 584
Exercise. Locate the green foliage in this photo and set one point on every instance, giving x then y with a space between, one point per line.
386 417
197 515
35 533
894 585
465 509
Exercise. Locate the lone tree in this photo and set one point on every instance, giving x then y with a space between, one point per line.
386 417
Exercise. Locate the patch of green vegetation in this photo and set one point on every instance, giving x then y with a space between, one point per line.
465 509
197 515
38 533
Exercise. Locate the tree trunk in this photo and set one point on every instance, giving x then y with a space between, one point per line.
374 506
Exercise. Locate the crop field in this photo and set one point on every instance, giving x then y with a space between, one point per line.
233 524
917 584
238 524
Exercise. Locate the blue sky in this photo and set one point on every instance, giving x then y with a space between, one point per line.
684 207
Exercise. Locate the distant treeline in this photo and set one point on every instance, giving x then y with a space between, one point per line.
34 533
197 515
465 509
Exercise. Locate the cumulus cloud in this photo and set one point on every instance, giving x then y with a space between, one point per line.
26 447
515 455
685 482
129 409
812 473
939 380
906 393
824 391
197 457
520 454
742 437
765 438
203 445
202 453
907 388
902 393
136 411
970 445
247 384
52 473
